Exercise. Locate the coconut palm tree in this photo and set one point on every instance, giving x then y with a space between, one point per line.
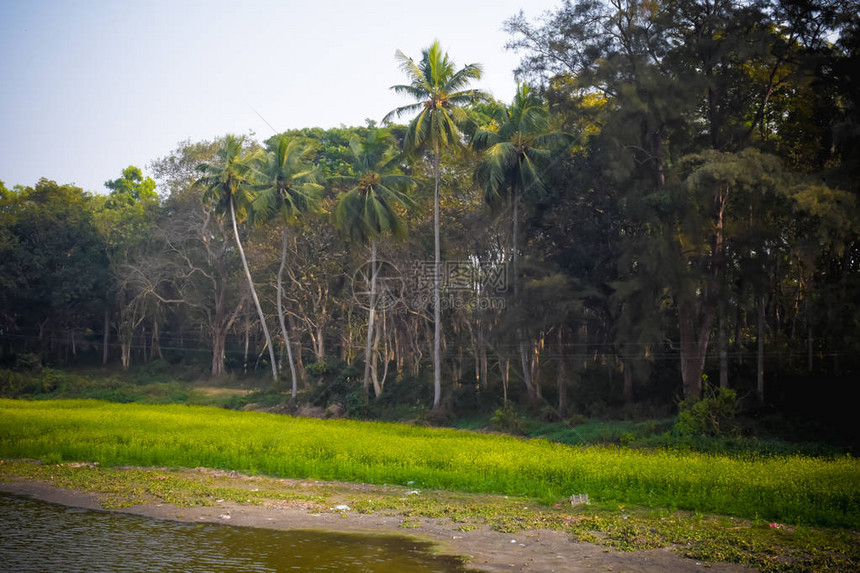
372 207
439 93
226 182
287 185
517 146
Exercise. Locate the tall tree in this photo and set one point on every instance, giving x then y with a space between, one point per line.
132 187
371 208
227 183
287 185
518 145
125 219
54 272
439 91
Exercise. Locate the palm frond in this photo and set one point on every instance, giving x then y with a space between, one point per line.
463 77
403 110
468 97
408 67
532 185
438 89
484 138
371 207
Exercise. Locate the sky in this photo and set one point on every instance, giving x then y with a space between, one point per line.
90 87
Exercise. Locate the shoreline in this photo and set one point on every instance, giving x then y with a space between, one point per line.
530 550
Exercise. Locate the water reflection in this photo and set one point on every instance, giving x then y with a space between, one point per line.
37 536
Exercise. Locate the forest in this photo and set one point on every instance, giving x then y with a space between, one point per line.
667 211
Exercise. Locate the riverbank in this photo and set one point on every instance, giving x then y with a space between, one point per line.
532 550
496 533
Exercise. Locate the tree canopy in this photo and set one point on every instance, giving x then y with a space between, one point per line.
669 204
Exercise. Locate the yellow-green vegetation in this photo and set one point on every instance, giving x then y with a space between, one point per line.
789 489
708 538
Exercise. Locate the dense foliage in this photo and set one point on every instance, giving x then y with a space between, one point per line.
672 199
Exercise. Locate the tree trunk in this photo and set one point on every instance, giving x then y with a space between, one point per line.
521 343
485 368
254 293
628 381
760 359
106 339
43 350
437 289
247 344
561 380
219 342
695 334
692 359
154 343
297 351
399 352
319 344
374 362
125 347
294 388
457 368
368 348
346 338
724 353
537 350
506 376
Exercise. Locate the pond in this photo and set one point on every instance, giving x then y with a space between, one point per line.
38 536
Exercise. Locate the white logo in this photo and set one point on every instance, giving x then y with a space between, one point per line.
390 286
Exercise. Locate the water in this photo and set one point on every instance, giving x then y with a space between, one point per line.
37 536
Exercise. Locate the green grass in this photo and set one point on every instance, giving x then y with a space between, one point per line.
788 489
145 385
658 434
755 544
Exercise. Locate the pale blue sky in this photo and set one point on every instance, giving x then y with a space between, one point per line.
90 87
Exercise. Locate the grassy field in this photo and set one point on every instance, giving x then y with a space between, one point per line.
789 489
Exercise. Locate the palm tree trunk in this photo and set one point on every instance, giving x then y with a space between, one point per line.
524 361
374 360
437 290
370 320
254 293
247 344
284 331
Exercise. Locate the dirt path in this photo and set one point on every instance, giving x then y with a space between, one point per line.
531 551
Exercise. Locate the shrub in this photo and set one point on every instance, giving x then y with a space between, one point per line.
336 382
28 362
507 419
714 415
